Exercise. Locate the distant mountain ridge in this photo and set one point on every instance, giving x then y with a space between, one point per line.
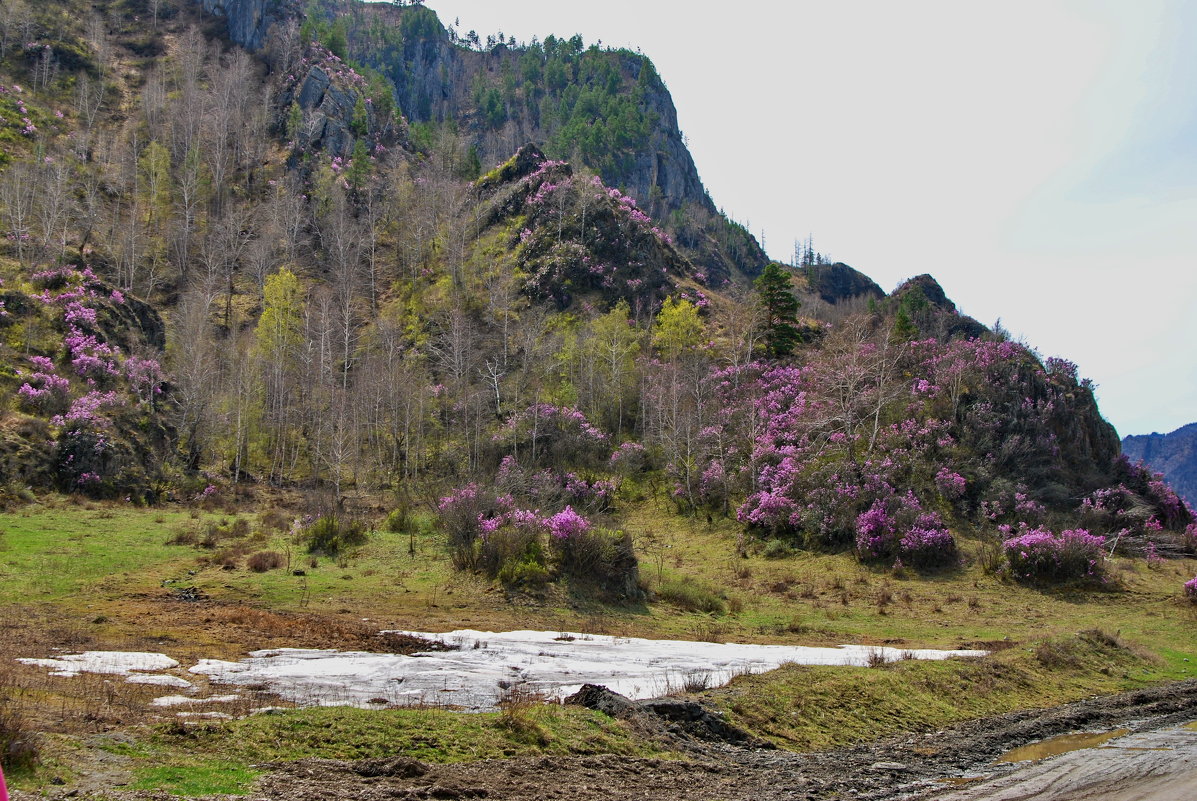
1174 455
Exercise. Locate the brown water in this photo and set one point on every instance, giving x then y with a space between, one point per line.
1060 745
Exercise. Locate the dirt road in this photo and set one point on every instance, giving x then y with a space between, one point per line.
1149 766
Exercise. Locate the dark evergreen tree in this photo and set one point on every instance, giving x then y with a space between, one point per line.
780 307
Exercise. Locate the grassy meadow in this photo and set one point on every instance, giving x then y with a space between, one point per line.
77 575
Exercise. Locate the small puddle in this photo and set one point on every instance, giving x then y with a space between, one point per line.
1059 745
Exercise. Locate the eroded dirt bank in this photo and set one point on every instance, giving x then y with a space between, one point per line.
908 767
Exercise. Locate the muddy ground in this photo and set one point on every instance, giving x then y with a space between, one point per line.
915 766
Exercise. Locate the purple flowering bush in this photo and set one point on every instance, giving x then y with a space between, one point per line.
1041 556
901 531
82 381
553 489
883 447
1191 589
550 435
524 549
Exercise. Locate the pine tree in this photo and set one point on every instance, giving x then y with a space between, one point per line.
780 307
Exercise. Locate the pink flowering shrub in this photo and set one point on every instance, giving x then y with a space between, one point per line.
460 515
86 384
565 524
1191 589
900 530
951 484
145 376
1039 555
44 391
523 549
628 459
830 454
546 434
553 489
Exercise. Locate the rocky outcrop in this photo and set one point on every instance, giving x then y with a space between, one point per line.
932 312
329 113
835 283
249 21
1174 455
930 290
677 717
574 237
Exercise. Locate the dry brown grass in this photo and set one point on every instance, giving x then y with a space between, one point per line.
262 561
288 629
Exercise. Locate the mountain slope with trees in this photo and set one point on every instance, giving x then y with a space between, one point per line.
607 110
347 305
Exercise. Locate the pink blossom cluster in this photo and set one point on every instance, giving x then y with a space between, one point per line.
333 66
1040 555
78 314
86 410
951 484
566 524
145 376
546 189
44 383
544 426
91 357
87 479
629 457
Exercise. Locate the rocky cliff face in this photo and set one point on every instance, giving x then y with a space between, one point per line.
1174 455
249 21
494 99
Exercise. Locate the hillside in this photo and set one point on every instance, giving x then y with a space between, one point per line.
315 325
1173 454
403 324
607 110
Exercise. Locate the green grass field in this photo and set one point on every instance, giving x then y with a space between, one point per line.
80 575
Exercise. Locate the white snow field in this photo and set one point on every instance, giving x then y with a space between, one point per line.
488 666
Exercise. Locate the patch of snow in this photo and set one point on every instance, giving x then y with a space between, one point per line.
551 663
161 679
116 663
179 700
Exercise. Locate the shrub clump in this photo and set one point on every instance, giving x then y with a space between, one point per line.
1191 589
329 535
902 531
688 594
1039 555
526 550
263 561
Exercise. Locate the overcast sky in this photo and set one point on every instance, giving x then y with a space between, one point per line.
1038 157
